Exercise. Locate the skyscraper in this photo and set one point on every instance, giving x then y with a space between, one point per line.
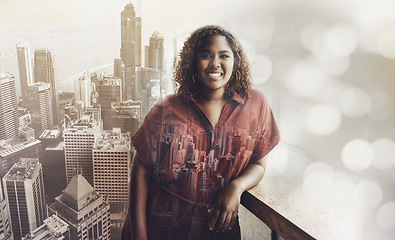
8 117
83 91
130 48
44 71
5 222
25 68
126 115
109 91
86 212
40 106
79 137
154 53
111 165
24 190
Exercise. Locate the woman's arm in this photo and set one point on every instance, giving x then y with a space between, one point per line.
138 200
224 212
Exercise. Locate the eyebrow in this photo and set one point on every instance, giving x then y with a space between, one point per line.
208 51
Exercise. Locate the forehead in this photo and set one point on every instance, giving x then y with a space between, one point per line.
218 42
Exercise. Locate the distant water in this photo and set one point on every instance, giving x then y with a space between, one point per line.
76 50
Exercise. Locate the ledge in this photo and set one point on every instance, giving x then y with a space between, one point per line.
296 214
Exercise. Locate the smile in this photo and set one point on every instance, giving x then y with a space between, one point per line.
215 74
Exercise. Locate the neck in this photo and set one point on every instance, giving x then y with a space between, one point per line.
212 96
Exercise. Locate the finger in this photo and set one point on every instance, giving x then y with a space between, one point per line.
220 221
227 221
214 217
234 218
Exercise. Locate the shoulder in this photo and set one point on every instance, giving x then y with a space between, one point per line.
170 100
256 97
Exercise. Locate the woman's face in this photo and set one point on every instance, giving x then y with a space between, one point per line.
214 63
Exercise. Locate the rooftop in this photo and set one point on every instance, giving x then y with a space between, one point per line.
53 228
15 144
22 170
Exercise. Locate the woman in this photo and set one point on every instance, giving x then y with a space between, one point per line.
197 151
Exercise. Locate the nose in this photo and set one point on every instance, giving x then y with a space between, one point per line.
215 62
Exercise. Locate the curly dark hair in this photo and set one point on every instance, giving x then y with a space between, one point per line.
186 62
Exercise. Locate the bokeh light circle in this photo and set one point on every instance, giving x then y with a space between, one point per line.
384 153
340 40
323 119
357 155
386 217
262 69
279 161
368 195
354 102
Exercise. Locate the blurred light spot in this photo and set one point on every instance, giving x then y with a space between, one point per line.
277 161
310 36
342 187
318 176
249 49
354 102
386 43
386 217
291 131
382 106
304 80
357 155
259 27
317 167
340 40
384 153
367 195
334 66
323 119
262 69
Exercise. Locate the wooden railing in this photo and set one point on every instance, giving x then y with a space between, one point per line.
296 214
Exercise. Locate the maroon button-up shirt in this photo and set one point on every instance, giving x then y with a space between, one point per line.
192 161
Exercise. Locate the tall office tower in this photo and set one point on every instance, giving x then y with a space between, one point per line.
52 160
153 93
5 222
8 101
40 106
130 48
44 71
83 91
24 190
53 228
79 137
111 165
126 115
154 53
25 68
86 212
109 90
15 148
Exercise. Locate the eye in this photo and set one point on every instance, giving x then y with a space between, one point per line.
204 55
224 56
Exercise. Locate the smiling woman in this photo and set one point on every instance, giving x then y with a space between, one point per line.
197 151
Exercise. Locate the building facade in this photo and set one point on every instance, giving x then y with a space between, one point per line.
8 101
53 228
111 165
85 211
24 191
25 68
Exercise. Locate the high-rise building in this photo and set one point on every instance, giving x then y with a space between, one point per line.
44 71
86 212
40 106
83 91
154 53
13 149
109 91
126 115
111 165
79 138
24 191
25 68
5 222
130 48
53 228
8 101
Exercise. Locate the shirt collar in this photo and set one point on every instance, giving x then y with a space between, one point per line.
236 97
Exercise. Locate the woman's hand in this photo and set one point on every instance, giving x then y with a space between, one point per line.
224 212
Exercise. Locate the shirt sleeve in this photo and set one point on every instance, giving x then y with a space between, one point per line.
269 134
147 137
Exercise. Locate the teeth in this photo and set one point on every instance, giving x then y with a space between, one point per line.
215 74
